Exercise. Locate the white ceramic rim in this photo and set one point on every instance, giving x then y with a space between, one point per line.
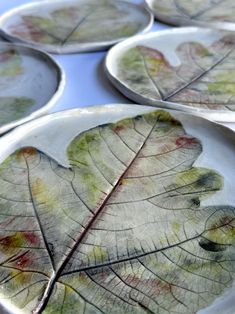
76 48
216 115
189 22
44 109
92 117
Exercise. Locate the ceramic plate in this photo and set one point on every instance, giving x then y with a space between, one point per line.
216 13
75 25
188 69
99 215
30 84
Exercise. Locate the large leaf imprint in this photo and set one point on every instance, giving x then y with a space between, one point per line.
195 10
205 77
121 231
89 22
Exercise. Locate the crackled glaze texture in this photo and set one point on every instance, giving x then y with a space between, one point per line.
59 26
193 11
120 231
29 80
204 79
11 68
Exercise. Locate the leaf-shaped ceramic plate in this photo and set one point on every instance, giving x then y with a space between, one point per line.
189 69
60 26
30 84
216 13
140 219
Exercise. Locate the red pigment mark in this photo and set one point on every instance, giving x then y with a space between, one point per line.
118 128
133 281
18 239
23 261
163 287
184 141
23 34
31 238
26 30
224 222
15 240
7 241
152 53
102 276
157 287
28 151
35 33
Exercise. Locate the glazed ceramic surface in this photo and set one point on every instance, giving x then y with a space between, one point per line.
189 69
115 209
75 25
30 84
215 13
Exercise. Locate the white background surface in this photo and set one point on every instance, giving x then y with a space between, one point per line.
86 82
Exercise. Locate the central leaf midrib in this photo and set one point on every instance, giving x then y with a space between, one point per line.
159 92
62 42
80 22
57 274
200 75
193 80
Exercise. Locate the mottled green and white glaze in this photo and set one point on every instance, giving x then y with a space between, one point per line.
122 230
75 25
188 69
11 108
29 80
184 12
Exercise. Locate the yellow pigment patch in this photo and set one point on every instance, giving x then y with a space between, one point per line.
163 116
175 227
21 278
98 254
40 193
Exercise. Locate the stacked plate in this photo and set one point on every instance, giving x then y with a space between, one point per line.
30 81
